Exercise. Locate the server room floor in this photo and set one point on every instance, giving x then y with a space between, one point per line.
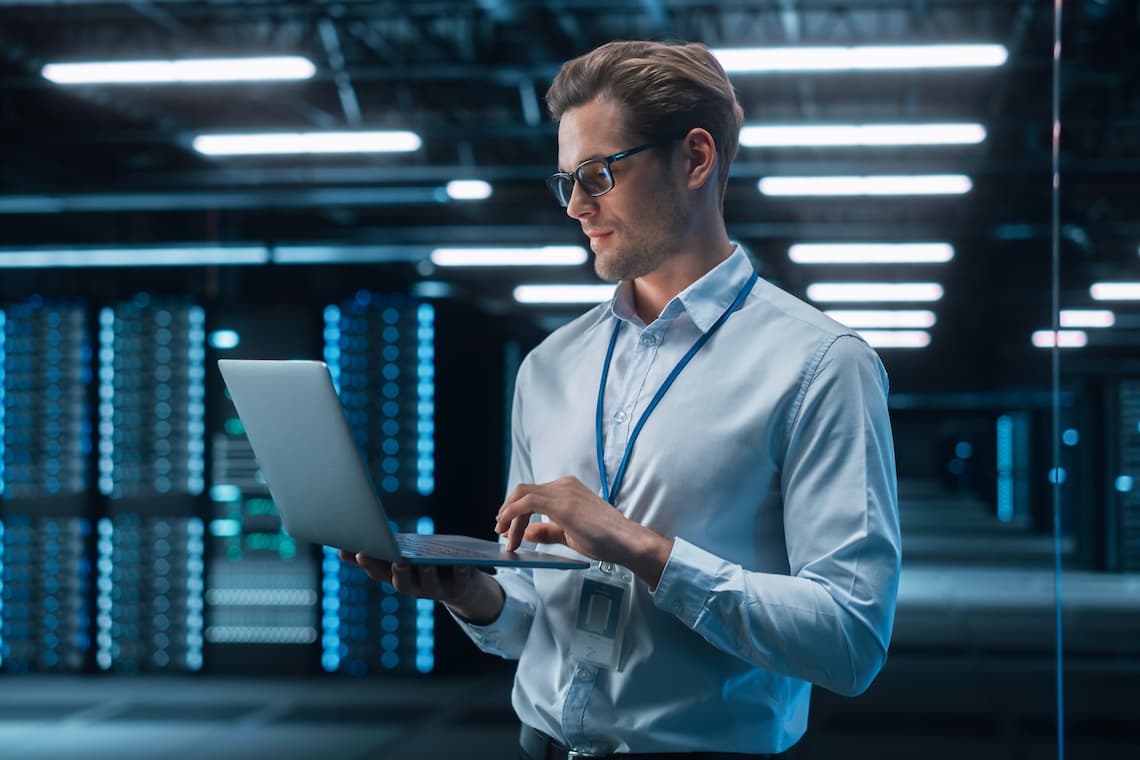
971 674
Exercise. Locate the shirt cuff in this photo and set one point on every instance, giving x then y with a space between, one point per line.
689 577
498 636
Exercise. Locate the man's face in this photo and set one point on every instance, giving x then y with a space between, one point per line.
640 223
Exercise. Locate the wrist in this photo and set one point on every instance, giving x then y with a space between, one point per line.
649 555
481 602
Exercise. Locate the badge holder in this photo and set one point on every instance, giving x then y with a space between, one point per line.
603 611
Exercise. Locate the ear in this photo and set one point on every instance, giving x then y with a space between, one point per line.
699 151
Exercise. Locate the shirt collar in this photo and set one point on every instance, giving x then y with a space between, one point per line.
705 300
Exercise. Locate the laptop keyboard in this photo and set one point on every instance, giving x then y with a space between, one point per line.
414 544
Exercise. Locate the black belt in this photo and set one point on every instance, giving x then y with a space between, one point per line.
538 746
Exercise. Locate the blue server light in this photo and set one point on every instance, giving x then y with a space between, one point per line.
106 402
104 601
425 394
195 584
2 541
330 606
3 407
224 340
1005 468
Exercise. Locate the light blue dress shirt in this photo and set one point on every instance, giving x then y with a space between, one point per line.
770 461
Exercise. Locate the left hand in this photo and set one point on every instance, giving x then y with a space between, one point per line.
583 521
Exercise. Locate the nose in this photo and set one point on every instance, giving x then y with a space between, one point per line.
581 203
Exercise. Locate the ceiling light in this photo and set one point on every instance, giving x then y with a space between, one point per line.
276 143
794 135
898 184
551 255
883 318
138 257
874 291
1064 339
871 253
896 338
860 58
181 71
468 190
1115 291
568 294
1087 318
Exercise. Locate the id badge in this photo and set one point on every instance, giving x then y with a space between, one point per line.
603 611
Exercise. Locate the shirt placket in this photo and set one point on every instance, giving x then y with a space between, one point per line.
626 387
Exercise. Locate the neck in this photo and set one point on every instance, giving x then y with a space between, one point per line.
651 292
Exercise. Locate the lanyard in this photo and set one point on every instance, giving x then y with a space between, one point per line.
610 493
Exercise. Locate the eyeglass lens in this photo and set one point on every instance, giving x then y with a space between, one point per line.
594 177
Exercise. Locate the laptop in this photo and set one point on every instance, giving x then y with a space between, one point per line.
322 489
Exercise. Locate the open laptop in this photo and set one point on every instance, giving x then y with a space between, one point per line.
318 481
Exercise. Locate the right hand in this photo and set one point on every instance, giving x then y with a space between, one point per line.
471 593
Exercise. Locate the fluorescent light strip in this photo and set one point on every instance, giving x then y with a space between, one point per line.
897 184
563 294
1064 339
860 58
468 190
187 71
871 253
829 135
281 143
136 257
884 318
551 255
1115 291
1087 318
896 338
875 291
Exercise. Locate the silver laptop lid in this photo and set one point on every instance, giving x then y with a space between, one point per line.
302 441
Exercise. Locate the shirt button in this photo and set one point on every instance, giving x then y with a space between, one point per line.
677 607
648 339
620 417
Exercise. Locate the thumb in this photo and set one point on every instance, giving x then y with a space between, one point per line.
545 533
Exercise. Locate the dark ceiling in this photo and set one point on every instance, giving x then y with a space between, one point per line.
100 165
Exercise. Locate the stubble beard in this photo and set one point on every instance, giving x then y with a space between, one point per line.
648 251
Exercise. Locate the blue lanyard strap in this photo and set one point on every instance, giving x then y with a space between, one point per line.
610 493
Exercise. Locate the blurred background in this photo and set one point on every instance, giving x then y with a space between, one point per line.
369 191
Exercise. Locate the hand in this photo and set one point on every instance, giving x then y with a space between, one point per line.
583 521
472 594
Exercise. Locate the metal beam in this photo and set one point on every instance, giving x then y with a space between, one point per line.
331 42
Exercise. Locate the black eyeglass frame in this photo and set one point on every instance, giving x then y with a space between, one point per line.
554 180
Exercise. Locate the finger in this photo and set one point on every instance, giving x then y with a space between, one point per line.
428 581
524 506
545 533
347 556
403 579
520 491
376 569
516 531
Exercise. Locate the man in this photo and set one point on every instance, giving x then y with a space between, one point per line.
721 448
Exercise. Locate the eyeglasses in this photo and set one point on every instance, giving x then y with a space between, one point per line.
593 175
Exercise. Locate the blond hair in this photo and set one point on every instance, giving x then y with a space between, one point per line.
665 89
